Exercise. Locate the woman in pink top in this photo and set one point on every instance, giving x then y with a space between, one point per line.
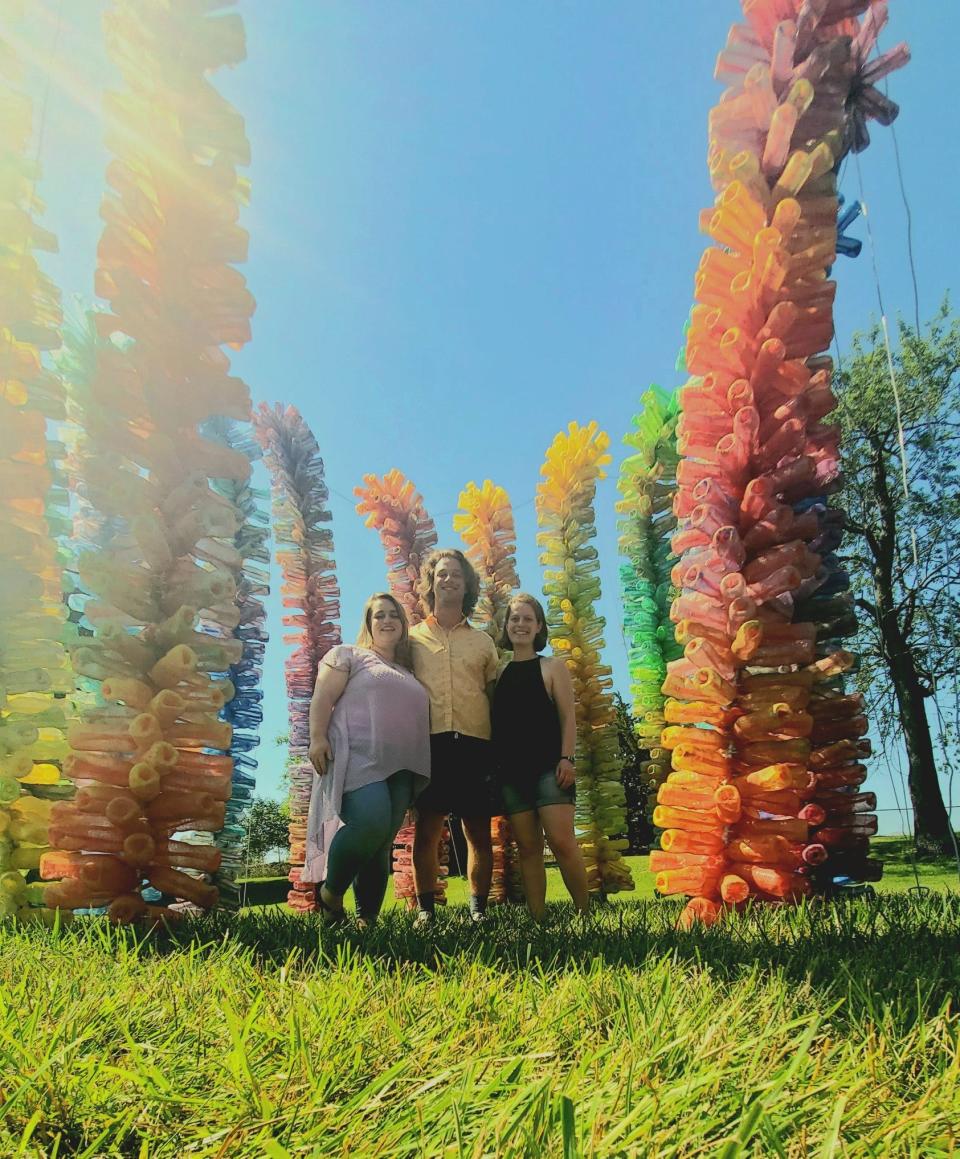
370 748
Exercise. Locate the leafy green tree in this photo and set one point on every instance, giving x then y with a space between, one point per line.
636 783
902 500
266 826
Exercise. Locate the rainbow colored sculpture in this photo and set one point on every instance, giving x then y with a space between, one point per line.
244 712
34 674
311 599
574 463
485 524
394 508
647 483
158 562
765 743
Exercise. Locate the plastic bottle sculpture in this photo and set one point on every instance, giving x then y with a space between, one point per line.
485 523
150 758
394 508
311 599
574 463
244 712
34 673
647 483
755 707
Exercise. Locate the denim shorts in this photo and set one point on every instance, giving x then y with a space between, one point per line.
521 796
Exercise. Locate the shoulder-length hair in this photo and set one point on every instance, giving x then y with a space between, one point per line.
403 654
540 640
428 569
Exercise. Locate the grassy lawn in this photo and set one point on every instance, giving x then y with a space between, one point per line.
901 874
814 1031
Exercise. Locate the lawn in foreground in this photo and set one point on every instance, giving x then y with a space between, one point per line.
820 1031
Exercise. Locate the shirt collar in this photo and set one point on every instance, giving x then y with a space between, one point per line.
435 624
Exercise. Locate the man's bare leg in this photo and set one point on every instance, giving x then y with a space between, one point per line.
479 861
426 859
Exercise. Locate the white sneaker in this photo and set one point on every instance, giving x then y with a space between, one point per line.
477 916
424 918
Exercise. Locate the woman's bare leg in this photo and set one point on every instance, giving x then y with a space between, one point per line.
529 838
557 822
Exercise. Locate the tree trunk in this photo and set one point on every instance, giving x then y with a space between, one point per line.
931 823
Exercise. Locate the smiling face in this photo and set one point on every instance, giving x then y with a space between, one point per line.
523 624
386 625
448 583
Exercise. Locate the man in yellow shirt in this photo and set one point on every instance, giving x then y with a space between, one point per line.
457 664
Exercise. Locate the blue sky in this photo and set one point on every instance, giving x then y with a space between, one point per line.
475 222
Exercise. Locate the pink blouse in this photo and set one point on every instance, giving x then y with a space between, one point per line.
380 725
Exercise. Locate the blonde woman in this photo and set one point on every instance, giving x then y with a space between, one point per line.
370 749
534 741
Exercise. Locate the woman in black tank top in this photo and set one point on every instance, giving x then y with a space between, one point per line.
534 740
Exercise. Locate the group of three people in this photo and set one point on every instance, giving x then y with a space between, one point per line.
429 717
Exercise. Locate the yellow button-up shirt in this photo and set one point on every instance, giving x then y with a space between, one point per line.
455 666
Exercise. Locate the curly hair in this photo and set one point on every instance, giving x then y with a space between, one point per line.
540 640
428 569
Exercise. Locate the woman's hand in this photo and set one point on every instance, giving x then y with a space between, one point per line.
566 773
320 754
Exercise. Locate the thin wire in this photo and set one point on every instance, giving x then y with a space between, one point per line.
906 206
439 514
906 202
901 438
903 785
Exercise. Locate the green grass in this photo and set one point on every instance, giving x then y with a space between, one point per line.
810 1032
902 873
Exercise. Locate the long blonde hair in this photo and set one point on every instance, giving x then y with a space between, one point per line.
403 655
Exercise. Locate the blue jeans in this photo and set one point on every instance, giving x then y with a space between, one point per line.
360 850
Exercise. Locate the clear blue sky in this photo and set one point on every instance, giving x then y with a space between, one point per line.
475 222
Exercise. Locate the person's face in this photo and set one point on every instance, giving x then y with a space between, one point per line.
386 627
522 624
448 583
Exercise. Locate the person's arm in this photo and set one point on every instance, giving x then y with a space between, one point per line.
327 691
561 689
493 671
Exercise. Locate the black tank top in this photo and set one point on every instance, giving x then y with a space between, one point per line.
526 725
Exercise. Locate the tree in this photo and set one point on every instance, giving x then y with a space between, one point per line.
903 509
637 785
266 824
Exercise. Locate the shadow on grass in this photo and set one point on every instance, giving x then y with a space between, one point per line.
898 950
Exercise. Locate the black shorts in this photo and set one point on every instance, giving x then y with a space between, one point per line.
461 779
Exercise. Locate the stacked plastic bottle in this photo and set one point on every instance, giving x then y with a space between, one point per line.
747 722
574 464
244 712
647 484
310 597
150 757
485 524
394 508
34 673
